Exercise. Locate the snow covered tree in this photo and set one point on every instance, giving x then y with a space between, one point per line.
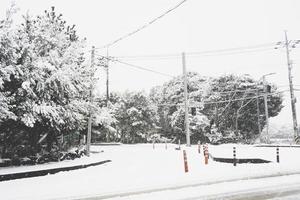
104 128
236 114
170 100
7 57
226 109
48 80
136 118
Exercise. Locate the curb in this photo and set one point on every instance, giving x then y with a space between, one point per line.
240 160
289 146
29 174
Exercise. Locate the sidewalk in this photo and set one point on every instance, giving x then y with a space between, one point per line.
26 171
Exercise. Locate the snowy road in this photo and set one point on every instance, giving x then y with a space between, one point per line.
275 188
139 169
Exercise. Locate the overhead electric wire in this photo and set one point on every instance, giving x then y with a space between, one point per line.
144 26
228 51
143 68
136 66
234 49
246 90
223 101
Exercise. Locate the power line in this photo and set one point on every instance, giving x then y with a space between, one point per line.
250 51
136 66
143 68
224 101
227 51
234 91
144 26
236 49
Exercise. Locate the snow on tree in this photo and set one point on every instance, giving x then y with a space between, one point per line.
226 108
169 99
136 117
104 124
237 119
8 56
45 77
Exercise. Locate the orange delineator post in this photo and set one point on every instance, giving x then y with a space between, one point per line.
206 155
186 169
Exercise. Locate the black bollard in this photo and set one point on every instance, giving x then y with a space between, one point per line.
234 156
277 154
179 144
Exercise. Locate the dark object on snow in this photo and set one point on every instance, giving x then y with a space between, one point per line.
240 160
5 162
6 177
277 154
41 159
224 140
266 145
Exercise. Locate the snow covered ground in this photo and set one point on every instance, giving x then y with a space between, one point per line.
142 168
279 188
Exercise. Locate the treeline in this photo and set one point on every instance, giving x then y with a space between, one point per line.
222 110
45 78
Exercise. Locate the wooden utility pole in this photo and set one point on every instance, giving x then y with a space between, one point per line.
258 112
186 104
293 99
266 109
89 133
107 77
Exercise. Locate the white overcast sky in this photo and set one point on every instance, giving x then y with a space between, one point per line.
196 26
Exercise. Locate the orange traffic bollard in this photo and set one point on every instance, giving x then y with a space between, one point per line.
186 169
206 155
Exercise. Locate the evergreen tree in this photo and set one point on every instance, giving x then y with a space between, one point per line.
136 118
45 79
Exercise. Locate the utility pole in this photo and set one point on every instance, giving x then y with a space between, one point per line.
258 112
293 99
107 77
186 104
266 108
89 133
266 103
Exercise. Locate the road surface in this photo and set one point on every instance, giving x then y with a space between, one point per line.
275 188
